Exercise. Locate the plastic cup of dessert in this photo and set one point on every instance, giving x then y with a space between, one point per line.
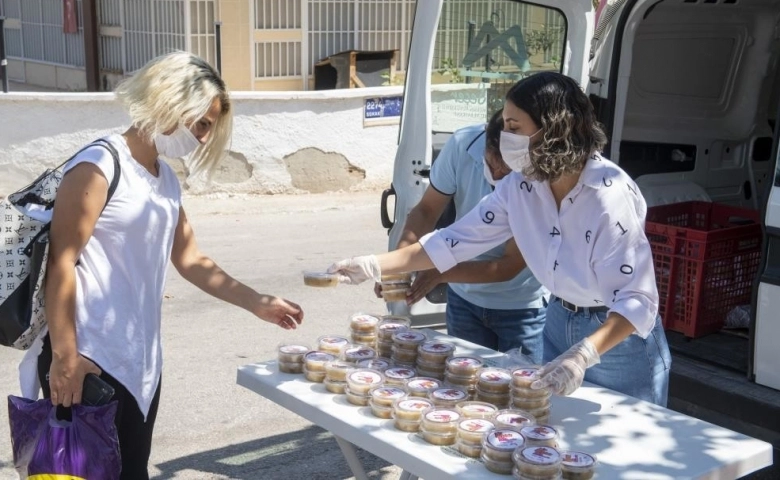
471 430
363 338
494 380
408 340
403 355
421 386
466 381
524 376
334 386
448 396
516 475
496 466
364 322
578 465
315 360
524 403
500 400
464 366
332 343
475 409
354 353
390 325
320 279
435 438
336 370
440 420
380 411
385 396
313 376
499 443
291 353
430 374
435 352
379 363
537 461
523 392
361 380
542 415
540 436
290 367
396 277
358 399
432 366
513 418
472 450
399 375
395 295
407 413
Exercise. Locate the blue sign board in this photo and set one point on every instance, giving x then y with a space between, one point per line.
381 109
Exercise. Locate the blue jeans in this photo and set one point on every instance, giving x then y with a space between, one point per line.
500 330
637 367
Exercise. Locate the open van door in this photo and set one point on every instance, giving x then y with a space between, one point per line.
464 56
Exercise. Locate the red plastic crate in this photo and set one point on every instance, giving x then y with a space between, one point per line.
706 258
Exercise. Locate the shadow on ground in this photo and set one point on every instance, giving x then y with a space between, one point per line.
311 453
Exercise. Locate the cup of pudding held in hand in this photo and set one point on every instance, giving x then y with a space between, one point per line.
320 279
395 286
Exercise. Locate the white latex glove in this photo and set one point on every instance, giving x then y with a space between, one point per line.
357 270
564 374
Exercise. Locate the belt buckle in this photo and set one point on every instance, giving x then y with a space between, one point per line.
569 306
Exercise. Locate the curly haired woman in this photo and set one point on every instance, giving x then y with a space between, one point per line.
578 220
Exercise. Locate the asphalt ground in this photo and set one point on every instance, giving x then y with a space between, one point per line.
208 427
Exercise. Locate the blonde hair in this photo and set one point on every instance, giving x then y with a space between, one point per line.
178 89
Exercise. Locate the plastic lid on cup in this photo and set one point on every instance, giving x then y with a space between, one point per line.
504 439
539 432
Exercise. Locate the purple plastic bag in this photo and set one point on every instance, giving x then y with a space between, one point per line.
85 448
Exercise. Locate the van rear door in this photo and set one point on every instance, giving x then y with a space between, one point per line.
464 56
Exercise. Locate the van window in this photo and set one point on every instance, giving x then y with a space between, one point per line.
482 48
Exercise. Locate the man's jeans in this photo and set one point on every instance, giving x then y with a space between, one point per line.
500 330
637 367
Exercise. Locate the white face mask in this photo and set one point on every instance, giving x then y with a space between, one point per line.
514 150
178 144
488 175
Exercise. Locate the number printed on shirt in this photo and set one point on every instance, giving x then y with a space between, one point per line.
528 187
488 217
452 242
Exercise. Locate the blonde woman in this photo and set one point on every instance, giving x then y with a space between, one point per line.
106 269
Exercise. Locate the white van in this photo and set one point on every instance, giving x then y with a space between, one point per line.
689 92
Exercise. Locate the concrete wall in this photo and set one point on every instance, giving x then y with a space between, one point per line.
283 142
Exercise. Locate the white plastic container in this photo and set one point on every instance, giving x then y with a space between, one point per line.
447 396
364 323
355 353
492 380
380 363
578 465
464 366
472 409
399 375
512 418
320 279
471 430
435 352
315 361
385 396
361 380
292 353
421 386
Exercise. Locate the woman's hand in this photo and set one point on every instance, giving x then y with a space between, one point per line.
424 282
66 378
357 270
564 375
279 311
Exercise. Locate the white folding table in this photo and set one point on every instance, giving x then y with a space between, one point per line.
633 440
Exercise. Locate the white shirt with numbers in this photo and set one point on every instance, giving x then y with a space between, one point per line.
593 252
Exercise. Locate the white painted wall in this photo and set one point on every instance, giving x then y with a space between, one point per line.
38 131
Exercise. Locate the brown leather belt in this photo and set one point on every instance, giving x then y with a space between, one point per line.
575 309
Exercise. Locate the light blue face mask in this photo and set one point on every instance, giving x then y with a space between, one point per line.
514 150
178 144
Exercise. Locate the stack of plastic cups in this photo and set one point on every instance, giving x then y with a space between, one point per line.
439 426
462 372
395 286
314 365
512 418
493 386
540 436
468 441
497 448
432 358
536 463
356 353
332 344
363 329
382 399
336 375
577 465
405 345
399 376
407 413
359 383
534 401
290 358
389 325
